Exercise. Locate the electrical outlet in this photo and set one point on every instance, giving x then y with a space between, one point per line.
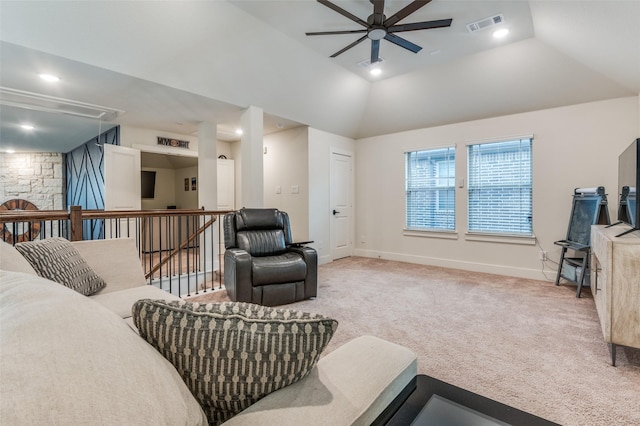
542 255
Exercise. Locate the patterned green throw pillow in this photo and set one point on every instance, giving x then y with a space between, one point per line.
57 260
232 354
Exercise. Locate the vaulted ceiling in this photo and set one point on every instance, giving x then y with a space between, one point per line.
172 64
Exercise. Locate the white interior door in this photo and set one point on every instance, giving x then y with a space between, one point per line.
121 186
226 185
341 205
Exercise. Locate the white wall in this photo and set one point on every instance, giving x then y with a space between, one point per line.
186 199
175 194
236 154
576 146
321 145
130 136
302 157
286 166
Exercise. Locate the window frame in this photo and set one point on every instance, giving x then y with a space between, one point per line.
508 234
436 190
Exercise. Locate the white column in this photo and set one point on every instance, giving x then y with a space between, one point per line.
208 190
207 166
252 178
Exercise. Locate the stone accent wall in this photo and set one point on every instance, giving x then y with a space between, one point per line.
37 177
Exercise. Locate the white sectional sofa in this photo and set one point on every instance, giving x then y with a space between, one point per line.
72 359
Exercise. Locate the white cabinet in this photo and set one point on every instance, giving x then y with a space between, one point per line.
615 284
226 184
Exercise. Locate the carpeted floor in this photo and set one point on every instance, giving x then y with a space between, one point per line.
525 343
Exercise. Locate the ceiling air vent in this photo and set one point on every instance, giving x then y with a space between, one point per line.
485 23
39 102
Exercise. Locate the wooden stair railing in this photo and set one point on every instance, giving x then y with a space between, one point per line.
182 246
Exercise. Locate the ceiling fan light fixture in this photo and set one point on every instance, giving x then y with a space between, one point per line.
501 33
50 78
378 26
377 34
375 71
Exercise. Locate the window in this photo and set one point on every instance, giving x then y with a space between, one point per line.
430 189
500 194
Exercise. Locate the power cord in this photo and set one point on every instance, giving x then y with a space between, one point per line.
544 273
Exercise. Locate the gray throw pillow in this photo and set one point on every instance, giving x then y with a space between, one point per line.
57 260
232 354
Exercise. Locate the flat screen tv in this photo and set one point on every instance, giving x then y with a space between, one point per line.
629 184
148 181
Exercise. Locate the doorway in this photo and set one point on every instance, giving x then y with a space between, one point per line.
176 181
341 202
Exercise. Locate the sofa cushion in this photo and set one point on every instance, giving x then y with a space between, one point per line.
123 270
121 301
232 354
56 259
350 386
66 360
12 260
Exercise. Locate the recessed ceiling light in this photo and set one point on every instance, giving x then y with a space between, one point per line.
375 71
501 33
27 126
239 132
50 78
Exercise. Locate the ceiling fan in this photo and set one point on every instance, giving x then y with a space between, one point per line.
378 27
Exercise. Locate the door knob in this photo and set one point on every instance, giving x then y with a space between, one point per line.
335 212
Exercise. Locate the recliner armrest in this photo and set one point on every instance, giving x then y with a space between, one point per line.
299 243
237 274
309 254
310 257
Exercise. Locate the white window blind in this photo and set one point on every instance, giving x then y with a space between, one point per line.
430 189
500 192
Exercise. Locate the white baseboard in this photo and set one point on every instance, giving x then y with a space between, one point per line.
535 274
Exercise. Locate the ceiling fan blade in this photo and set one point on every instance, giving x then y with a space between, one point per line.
378 12
375 51
403 43
358 41
343 12
336 32
427 25
406 11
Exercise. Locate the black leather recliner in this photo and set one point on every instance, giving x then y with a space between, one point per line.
260 263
